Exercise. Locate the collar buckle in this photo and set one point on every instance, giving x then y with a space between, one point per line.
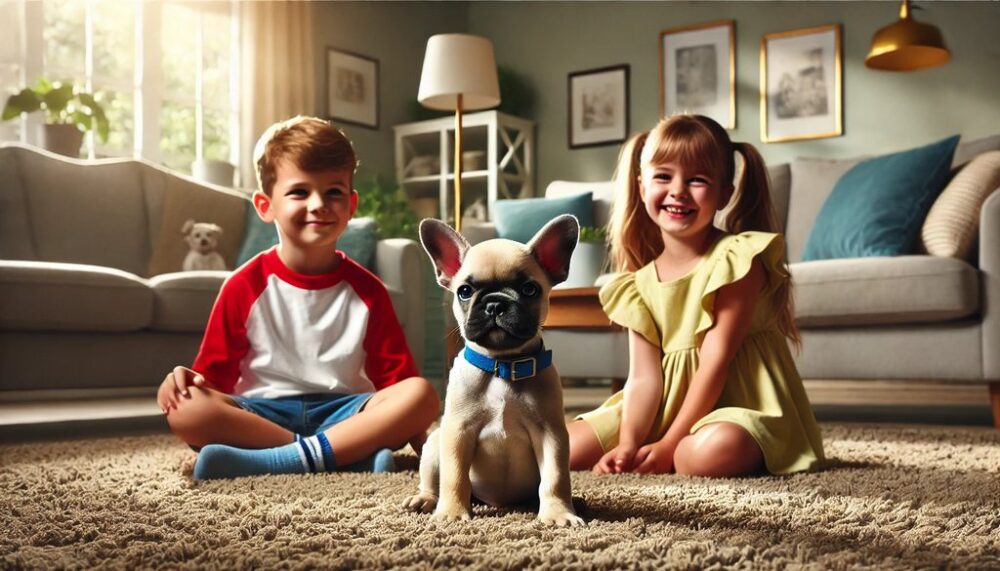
515 376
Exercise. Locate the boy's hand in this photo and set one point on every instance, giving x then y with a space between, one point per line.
175 385
619 459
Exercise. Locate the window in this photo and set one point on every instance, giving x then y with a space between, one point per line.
164 71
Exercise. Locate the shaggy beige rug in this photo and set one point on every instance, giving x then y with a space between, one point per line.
891 497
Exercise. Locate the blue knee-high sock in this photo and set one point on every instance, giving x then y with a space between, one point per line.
305 455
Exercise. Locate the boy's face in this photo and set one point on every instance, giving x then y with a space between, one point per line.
311 209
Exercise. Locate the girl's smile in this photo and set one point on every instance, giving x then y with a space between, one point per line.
681 200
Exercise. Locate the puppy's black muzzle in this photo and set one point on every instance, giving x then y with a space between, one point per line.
498 320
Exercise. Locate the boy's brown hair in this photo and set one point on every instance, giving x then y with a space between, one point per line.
310 143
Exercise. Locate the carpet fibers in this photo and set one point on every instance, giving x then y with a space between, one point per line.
891 497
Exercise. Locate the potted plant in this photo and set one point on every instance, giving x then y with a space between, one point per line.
589 258
70 112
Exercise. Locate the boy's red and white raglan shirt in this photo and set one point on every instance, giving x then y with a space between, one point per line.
274 332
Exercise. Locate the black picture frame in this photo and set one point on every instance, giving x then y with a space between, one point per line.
598 106
352 88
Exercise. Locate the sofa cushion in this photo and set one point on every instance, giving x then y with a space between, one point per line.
182 301
883 290
15 232
812 182
953 221
108 223
878 207
185 200
520 219
50 296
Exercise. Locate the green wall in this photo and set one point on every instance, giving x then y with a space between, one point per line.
883 111
395 33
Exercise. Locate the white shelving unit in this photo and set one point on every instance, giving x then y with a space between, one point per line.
425 152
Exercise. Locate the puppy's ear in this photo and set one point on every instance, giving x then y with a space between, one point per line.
445 247
188 225
553 246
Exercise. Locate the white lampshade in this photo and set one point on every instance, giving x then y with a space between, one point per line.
457 64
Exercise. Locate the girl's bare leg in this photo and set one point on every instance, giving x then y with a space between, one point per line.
584 447
718 450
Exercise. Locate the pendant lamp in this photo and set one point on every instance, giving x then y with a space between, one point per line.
907 45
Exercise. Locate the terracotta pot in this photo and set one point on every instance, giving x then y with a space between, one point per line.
61 138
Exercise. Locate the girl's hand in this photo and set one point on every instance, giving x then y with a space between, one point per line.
617 460
655 458
175 385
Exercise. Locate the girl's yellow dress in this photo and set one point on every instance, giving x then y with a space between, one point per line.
763 392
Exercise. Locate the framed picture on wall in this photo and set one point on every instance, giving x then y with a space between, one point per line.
598 106
698 71
800 85
352 88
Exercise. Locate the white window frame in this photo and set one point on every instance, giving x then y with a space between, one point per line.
147 81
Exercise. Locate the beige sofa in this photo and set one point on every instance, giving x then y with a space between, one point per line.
91 297
915 317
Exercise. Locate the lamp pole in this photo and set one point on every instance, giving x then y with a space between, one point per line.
458 163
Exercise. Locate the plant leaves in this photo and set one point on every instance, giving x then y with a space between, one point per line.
24 101
57 99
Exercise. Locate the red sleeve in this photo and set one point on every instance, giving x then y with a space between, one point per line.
225 342
388 359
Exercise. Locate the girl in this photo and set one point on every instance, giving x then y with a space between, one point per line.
712 389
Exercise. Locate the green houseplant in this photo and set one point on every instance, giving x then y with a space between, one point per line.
69 110
589 258
383 199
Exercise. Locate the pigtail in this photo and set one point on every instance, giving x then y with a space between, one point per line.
753 210
635 239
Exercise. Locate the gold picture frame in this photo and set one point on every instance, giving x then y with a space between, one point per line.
801 84
698 71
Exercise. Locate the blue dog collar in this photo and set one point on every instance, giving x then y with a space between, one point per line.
514 369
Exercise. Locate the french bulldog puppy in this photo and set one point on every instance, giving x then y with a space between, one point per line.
503 434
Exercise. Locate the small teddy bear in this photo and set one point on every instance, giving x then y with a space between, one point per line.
203 238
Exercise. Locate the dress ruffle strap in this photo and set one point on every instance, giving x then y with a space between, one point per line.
625 306
732 262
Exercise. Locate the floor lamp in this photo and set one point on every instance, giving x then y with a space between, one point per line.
459 75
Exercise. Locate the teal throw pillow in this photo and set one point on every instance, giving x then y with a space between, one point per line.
878 207
258 236
358 240
519 219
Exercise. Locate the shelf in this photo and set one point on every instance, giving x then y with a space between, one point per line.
508 140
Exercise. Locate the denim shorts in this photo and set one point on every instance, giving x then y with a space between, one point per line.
305 415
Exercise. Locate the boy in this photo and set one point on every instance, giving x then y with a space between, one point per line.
304 366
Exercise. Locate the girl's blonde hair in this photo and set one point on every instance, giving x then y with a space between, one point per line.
698 143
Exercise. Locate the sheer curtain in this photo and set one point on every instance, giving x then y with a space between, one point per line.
277 77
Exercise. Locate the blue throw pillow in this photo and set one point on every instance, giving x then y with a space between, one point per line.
519 219
358 240
878 207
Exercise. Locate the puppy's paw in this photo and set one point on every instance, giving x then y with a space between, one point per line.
560 517
422 502
452 512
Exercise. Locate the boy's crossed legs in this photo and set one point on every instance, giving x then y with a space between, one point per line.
238 442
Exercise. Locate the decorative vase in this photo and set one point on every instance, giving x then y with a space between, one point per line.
61 138
586 264
214 172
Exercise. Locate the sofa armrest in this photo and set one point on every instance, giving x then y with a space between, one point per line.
398 263
476 232
989 267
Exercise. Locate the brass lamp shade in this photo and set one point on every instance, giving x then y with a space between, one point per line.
907 45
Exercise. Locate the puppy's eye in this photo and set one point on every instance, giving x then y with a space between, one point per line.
529 289
465 292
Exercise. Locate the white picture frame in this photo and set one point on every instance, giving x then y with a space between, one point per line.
801 85
598 106
352 88
698 71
